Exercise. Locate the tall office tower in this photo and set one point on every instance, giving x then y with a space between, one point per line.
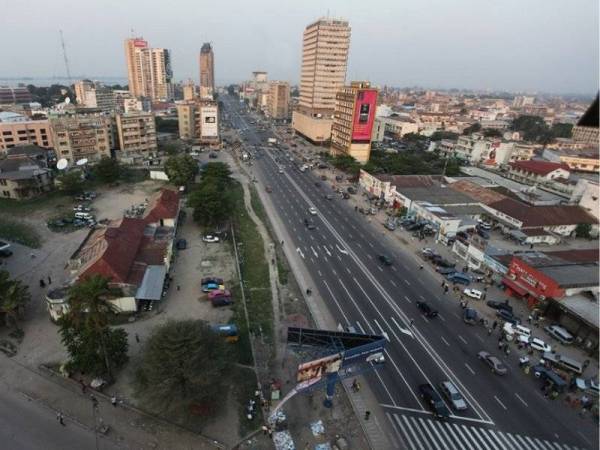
355 108
324 60
189 90
148 70
279 100
207 71
83 89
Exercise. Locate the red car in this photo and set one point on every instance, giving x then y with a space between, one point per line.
219 293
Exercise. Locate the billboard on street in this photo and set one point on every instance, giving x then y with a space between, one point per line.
313 371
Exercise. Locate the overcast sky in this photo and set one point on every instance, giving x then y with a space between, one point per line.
532 45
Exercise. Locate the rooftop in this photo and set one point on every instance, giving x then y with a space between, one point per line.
540 216
538 167
477 192
569 268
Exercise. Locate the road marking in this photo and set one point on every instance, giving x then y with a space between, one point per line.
370 245
334 272
404 408
358 245
406 281
422 298
441 317
341 250
407 299
470 370
456 315
380 269
501 404
394 269
445 341
312 260
463 339
314 251
522 401
327 250
402 330
300 251
370 257
480 338
348 270
319 272
393 284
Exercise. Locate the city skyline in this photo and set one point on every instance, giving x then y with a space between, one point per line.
460 46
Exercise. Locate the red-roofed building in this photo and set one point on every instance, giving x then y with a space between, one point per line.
534 171
163 209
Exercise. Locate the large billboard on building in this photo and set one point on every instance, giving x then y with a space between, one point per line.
364 115
210 125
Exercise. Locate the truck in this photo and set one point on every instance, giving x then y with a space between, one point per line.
272 141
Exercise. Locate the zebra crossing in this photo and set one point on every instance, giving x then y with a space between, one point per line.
419 433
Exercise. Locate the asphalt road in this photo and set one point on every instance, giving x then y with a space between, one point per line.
27 425
341 253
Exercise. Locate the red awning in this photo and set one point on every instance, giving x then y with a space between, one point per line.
514 287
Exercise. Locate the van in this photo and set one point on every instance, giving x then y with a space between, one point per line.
83 215
563 362
459 278
519 330
560 334
548 375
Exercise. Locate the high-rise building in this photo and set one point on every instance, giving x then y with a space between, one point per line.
355 108
95 95
83 89
148 70
189 90
81 136
14 96
207 71
278 100
324 60
136 132
199 121
16 130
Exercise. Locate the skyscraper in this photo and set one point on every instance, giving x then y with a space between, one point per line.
324 60
279 100
148 70
207 71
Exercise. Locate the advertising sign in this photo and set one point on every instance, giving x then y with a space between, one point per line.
364 115
140 43
313 371
208 116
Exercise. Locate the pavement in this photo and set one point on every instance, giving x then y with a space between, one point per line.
339 261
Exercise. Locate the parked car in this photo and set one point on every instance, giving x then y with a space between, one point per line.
181 244
386 260
445 270
268 188
221 301
459 278
345 195
434 401
312 211
445 263
550 376
453 395
217 293
309 224
350 189
515 329
470 316
426 309
428 253
214 280
484 234
209 238
499 305
559 333
507 316
318 184
493 363
328 197
473 293
389 225
539 345
211 287
213 155
484 225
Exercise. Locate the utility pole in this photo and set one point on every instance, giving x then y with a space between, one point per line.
64 49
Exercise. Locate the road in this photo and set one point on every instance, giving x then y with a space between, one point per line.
27 425
342 254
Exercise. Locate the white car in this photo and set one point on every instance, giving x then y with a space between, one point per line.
210 238
312 210
538 344
280 170
473 293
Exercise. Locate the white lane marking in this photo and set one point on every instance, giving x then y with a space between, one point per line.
479 337
441 317
522 401
407 299
336 302
360 327
338 257
348 270
334 272
422 298
319 272
456 315
394 269
462 339
380 269
327 250
470 370
425 319
314 251
501 404
393 284
358 245
398 435
402 329
300 251
406 281
341 250
383 333
445 341
369 256
411 432
370 245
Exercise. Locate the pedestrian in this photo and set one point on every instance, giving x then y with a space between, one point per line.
49 280
443 283
421 267
60 418
113 400
178 287
83 386
412 322
42 284
489 331
507 350
94 400
367 415
265 430
137 338
500 345
282 243
495 324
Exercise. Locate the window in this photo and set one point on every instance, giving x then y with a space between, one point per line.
3 183
6 193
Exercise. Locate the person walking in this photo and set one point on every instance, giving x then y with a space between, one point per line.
495 324
42 284
113 400
367 415
60 418
94 400
178 287
49 280
412 322
137 338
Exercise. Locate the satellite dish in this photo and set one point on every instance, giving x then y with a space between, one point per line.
62 164
67 100
82 162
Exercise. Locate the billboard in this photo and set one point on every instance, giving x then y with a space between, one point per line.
209 127
140 43
313 371
364 115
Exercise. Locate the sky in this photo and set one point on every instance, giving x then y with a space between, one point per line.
514 45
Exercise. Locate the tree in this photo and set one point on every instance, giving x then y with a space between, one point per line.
183 364
439 135
533 128
107 170
562 130
71 182
492 132
216 172
92 345
472 129
211 203
181 169
13 297
167 125
583 230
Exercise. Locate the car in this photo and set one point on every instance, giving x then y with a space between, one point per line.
444 263
473 293
428 252
213 155
351 190
312 211
450 391
318 184
445 270
470 316
493 363
539 345
386 260
434 401
484 225
214 280
181 244
5 252
499 305
390 225
268 188
339 178
218 293
211 287
209 238
323 178
221 301
484 234
280 171
426 309
309 224
328 197
345 195
507 316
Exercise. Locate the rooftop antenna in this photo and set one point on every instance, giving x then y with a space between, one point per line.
64 49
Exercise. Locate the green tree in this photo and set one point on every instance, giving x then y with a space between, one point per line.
439 135
71 182
183 364
107 170
216 172
85 329
583 230
562 130
492 132
472 129
181 169
13 297
211 203
533 128
167 125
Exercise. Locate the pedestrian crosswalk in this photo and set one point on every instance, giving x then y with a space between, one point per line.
419 433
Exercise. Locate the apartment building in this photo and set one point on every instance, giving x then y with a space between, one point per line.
148 70
81 136
14 95
353 120
586 130
199 121
24 173
278 100
189 90
136 132
325 48
207 72
83 90
16 130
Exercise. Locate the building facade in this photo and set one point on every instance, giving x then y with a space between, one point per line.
278 100
148 70
80 136
83 90
353 120
25 132
14 95
136 132
24 173
189 90
199 121
207 72
325 48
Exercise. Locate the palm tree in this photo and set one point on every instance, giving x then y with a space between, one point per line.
90 310
13 297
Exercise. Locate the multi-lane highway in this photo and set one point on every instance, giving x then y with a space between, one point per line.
341 254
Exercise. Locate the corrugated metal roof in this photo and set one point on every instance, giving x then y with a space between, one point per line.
152 284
